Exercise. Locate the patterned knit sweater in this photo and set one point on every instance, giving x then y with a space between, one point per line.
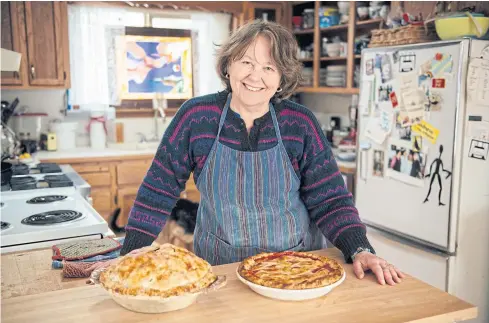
188 141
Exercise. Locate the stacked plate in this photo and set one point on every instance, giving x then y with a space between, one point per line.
334 76
307 75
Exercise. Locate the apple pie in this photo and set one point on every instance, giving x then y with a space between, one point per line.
163 270
291 270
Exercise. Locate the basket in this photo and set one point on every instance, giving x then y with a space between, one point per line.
410 34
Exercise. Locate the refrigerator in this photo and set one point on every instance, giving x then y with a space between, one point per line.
422 184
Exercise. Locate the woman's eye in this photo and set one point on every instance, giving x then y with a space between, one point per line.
246 62
269 69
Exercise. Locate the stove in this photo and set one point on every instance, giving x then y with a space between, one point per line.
40 218
45 176
41 168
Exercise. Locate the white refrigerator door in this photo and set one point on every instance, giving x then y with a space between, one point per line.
398 204
428 266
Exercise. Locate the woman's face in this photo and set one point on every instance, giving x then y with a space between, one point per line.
254 78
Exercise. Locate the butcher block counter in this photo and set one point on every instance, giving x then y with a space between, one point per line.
33 292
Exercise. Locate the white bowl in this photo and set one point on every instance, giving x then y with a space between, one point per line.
289 294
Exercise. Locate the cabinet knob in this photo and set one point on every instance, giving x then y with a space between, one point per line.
33 72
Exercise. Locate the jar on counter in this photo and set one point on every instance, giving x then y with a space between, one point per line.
308 19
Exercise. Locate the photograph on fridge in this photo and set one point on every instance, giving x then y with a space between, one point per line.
378 166
406 163
401 132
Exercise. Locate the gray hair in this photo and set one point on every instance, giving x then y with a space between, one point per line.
284 53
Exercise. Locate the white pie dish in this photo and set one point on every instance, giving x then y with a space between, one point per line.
289 294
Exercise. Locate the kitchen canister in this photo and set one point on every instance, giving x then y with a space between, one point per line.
65 134
97 130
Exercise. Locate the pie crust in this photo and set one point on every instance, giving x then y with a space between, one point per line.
163 271
291 270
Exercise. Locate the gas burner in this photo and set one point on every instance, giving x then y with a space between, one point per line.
58 180
46 199
4 225
23 183
47 168
51 217
20 169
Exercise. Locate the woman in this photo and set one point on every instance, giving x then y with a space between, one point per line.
266 174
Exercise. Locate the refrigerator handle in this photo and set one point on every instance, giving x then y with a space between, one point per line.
363 164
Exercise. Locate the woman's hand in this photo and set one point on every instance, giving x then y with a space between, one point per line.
384 271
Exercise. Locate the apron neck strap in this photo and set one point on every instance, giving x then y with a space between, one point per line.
225 111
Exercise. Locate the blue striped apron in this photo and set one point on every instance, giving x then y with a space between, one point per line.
250 203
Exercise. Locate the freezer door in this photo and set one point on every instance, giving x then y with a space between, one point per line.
423 264
392 196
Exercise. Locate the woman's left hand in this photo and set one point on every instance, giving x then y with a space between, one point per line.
384 271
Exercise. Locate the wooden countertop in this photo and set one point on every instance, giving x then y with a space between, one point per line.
32 292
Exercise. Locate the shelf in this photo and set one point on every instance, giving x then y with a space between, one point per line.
295 3
334 28
358 56
303 32
306 59
325 89
337 58
369 22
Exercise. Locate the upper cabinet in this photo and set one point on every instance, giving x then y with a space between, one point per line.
13 38
271 11
39 31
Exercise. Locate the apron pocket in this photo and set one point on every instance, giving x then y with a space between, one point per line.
218 252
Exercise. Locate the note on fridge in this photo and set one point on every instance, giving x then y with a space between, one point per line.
478 81
375 132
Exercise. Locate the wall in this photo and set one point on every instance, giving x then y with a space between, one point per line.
325 106
51 102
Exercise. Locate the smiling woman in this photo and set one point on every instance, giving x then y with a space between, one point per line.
266 174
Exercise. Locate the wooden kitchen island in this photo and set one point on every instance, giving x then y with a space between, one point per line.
33 292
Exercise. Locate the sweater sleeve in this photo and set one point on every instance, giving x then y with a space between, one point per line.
327 198
162 185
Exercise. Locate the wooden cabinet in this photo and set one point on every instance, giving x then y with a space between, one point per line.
13 38
271 11
39 31
115 182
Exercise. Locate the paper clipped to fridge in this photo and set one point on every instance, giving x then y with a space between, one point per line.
478 81
427 131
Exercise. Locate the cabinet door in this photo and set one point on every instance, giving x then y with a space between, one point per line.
132 172
13 38
45 54
102 201
125 198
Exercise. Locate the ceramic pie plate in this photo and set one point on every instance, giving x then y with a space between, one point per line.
289 294
157 304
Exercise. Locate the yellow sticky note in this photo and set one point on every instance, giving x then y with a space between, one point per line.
426 131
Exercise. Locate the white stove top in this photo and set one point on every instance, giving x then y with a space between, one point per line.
80 219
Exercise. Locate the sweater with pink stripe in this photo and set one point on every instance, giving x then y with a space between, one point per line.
188 140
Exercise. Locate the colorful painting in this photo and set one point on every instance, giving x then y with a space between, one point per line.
149 65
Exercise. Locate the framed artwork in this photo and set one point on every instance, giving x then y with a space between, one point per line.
148 63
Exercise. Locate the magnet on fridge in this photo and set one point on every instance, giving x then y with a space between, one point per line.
369 66
438 83
365 145
407 62
378 61
395 57
478 149
441 64
434 101
386 68
393 98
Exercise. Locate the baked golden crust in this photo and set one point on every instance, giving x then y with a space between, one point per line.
291 270
162 271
